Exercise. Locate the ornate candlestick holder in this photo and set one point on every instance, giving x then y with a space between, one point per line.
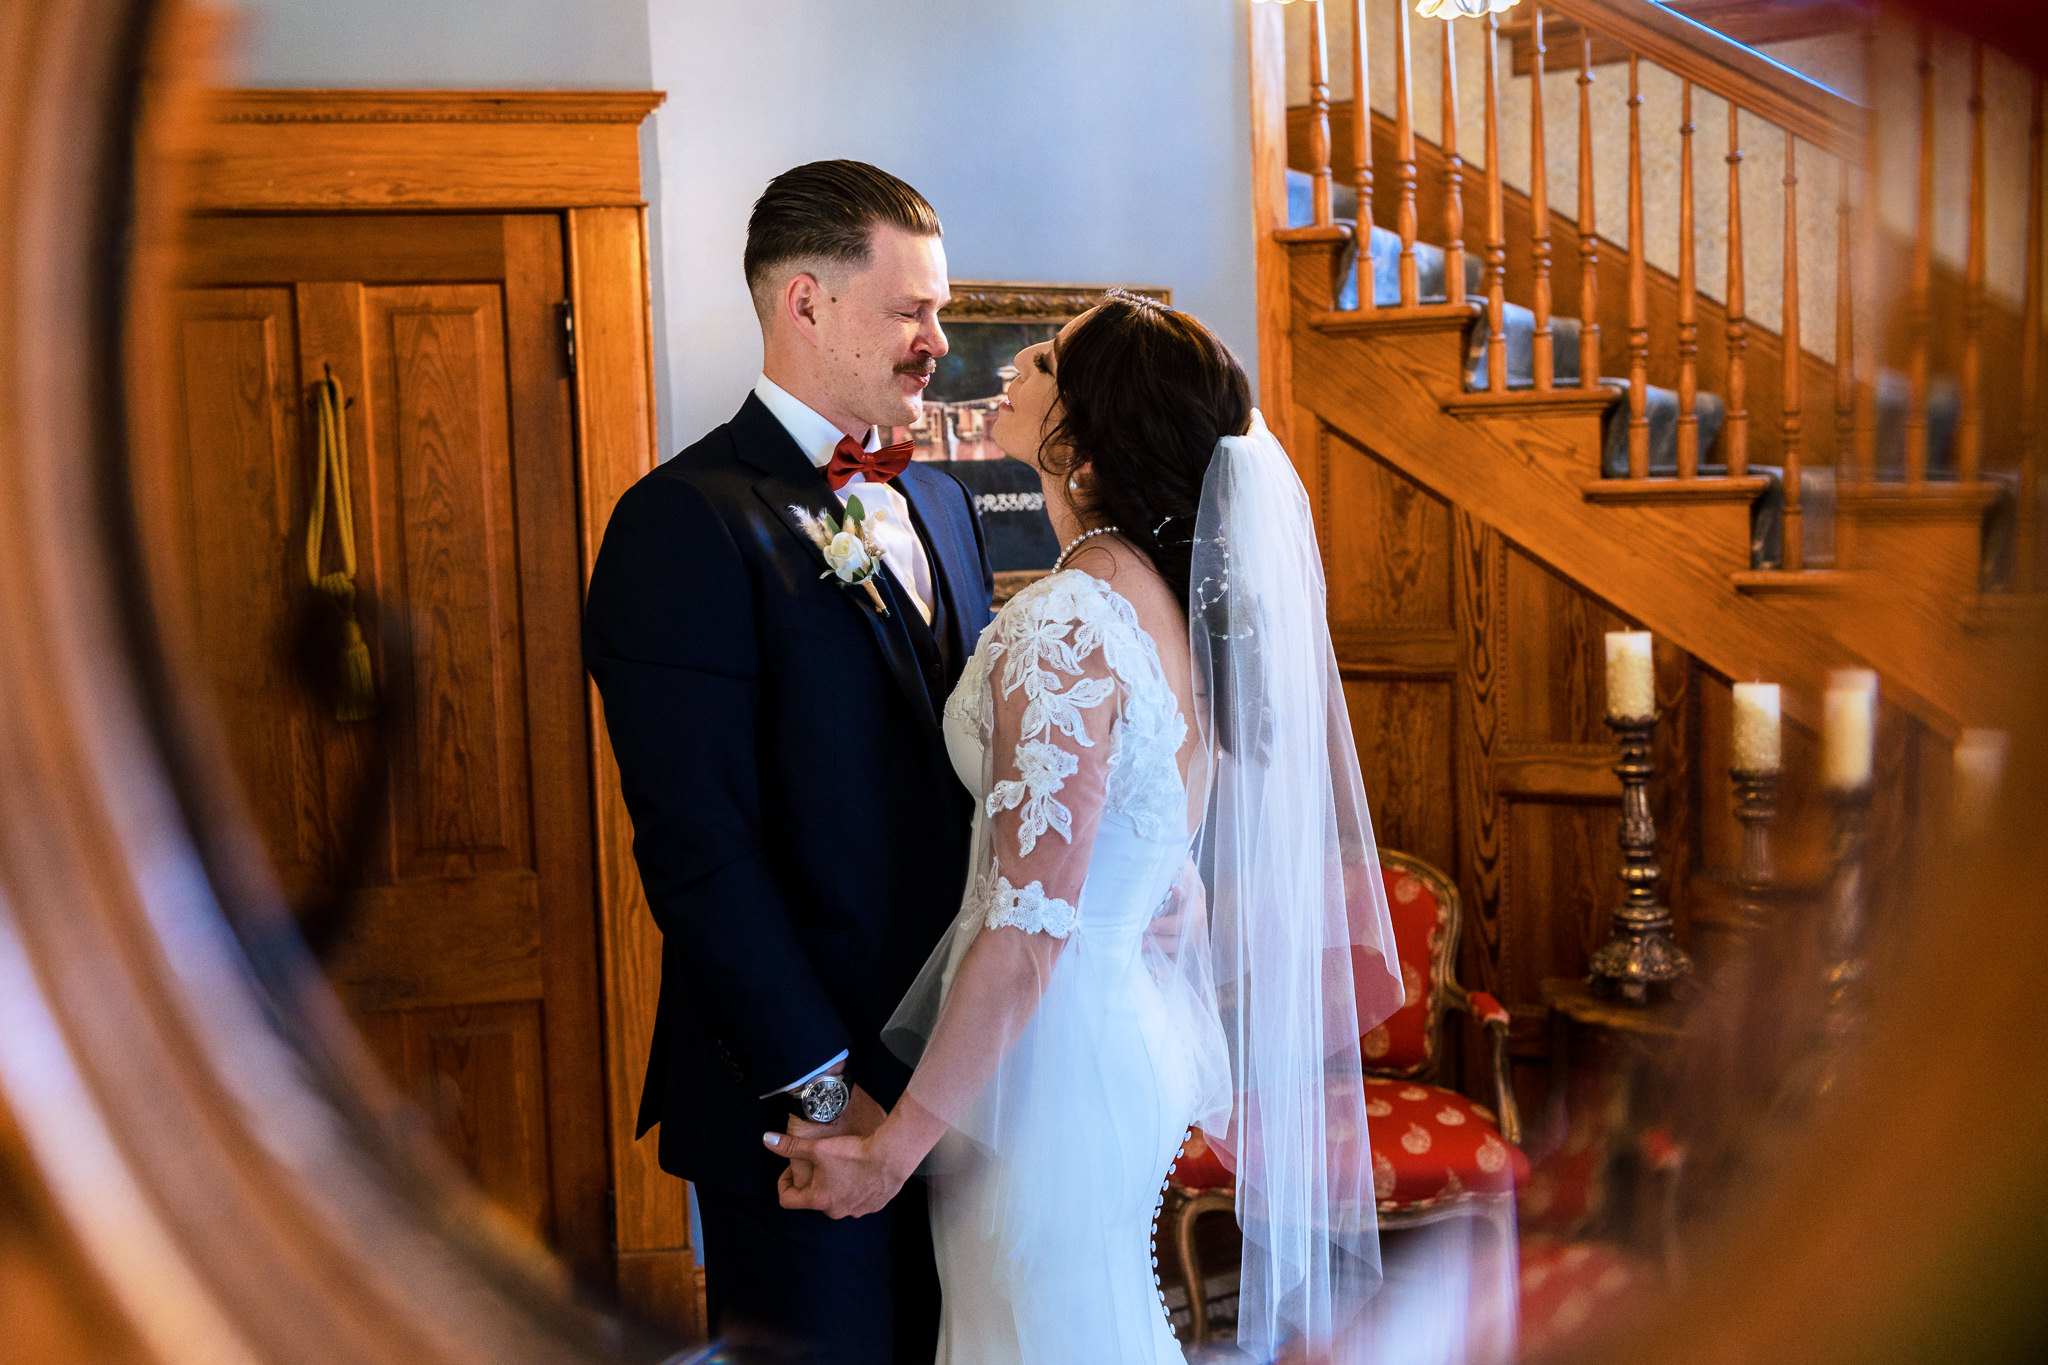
1756 807
1843 933
1828 1049
1640 955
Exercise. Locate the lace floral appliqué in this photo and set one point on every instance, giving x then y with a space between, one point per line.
1040 645
1029 909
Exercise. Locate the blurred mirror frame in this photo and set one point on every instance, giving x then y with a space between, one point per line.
198 1161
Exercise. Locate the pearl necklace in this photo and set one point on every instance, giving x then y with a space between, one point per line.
1075 544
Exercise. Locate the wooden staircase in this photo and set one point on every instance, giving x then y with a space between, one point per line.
1665 529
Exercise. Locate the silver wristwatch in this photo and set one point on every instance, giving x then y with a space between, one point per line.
820 1099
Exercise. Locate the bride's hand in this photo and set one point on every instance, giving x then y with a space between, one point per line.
849 1177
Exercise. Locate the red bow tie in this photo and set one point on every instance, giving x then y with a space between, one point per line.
876 466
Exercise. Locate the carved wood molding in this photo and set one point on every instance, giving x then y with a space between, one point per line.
281 150
435 106
1004 301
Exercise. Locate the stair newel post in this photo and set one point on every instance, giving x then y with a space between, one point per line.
1319 113
1454 174
1404 155
1589 241
1738 320
1923 273
1791 424
1496 226
1845 317
1541 351
1970 422
1688 304
1361 149
1638 288
2024 579
1863 464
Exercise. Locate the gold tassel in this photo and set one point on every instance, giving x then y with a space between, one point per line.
357 699
356 691
355 695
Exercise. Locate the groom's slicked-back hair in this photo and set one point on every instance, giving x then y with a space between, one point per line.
824 214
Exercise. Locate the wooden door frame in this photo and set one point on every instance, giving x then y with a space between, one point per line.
576 153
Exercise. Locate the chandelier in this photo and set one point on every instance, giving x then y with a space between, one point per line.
1457 9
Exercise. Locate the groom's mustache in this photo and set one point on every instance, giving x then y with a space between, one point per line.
924 365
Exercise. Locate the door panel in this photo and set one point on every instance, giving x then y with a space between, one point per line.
468 950
444 506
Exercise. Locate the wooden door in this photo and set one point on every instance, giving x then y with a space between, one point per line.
453 830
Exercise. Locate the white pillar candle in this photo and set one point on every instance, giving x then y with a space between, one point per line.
1849 716
1631 678
1758 738
1980 767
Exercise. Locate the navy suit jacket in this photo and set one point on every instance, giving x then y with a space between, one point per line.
799 831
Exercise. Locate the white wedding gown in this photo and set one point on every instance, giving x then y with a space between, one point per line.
1044 1191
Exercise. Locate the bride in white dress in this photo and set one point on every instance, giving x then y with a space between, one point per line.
1177 919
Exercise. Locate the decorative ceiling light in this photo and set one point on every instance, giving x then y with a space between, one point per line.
1461 9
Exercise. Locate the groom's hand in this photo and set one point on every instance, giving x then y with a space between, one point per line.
861 1117
844 1177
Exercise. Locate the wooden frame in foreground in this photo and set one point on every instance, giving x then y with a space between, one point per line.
181 1183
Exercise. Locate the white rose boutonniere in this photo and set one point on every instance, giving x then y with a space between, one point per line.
848 545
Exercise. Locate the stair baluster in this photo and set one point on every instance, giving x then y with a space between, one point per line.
1542 354
1736 430
1454 174
1638 288
1970 423
1404 154
1688 287
1794 554
1845 317
1921 304
1361 145
2025 578
1589 240
1319 113
1496 229
1863 465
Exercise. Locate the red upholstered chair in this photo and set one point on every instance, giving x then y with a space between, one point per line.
1435 1153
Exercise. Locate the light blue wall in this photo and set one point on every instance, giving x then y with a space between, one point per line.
1070 141
1074 141
507 44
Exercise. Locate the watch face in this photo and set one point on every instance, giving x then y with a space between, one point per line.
824 1098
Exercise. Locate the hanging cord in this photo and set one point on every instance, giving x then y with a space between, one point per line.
356 696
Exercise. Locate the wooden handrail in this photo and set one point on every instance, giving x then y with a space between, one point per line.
1794 102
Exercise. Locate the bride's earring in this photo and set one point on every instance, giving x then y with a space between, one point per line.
1073 484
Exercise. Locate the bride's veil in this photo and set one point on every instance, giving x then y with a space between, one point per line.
1302 947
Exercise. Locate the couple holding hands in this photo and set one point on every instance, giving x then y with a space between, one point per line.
968 921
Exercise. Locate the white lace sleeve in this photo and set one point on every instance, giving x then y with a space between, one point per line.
1049 713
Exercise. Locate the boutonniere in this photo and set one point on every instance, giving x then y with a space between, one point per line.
848 546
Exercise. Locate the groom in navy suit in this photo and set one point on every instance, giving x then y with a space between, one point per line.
799 831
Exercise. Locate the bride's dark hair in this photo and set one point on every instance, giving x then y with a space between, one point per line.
1145 393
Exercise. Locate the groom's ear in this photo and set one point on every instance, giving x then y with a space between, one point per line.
803 297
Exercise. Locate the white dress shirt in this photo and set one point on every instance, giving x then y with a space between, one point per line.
894 533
